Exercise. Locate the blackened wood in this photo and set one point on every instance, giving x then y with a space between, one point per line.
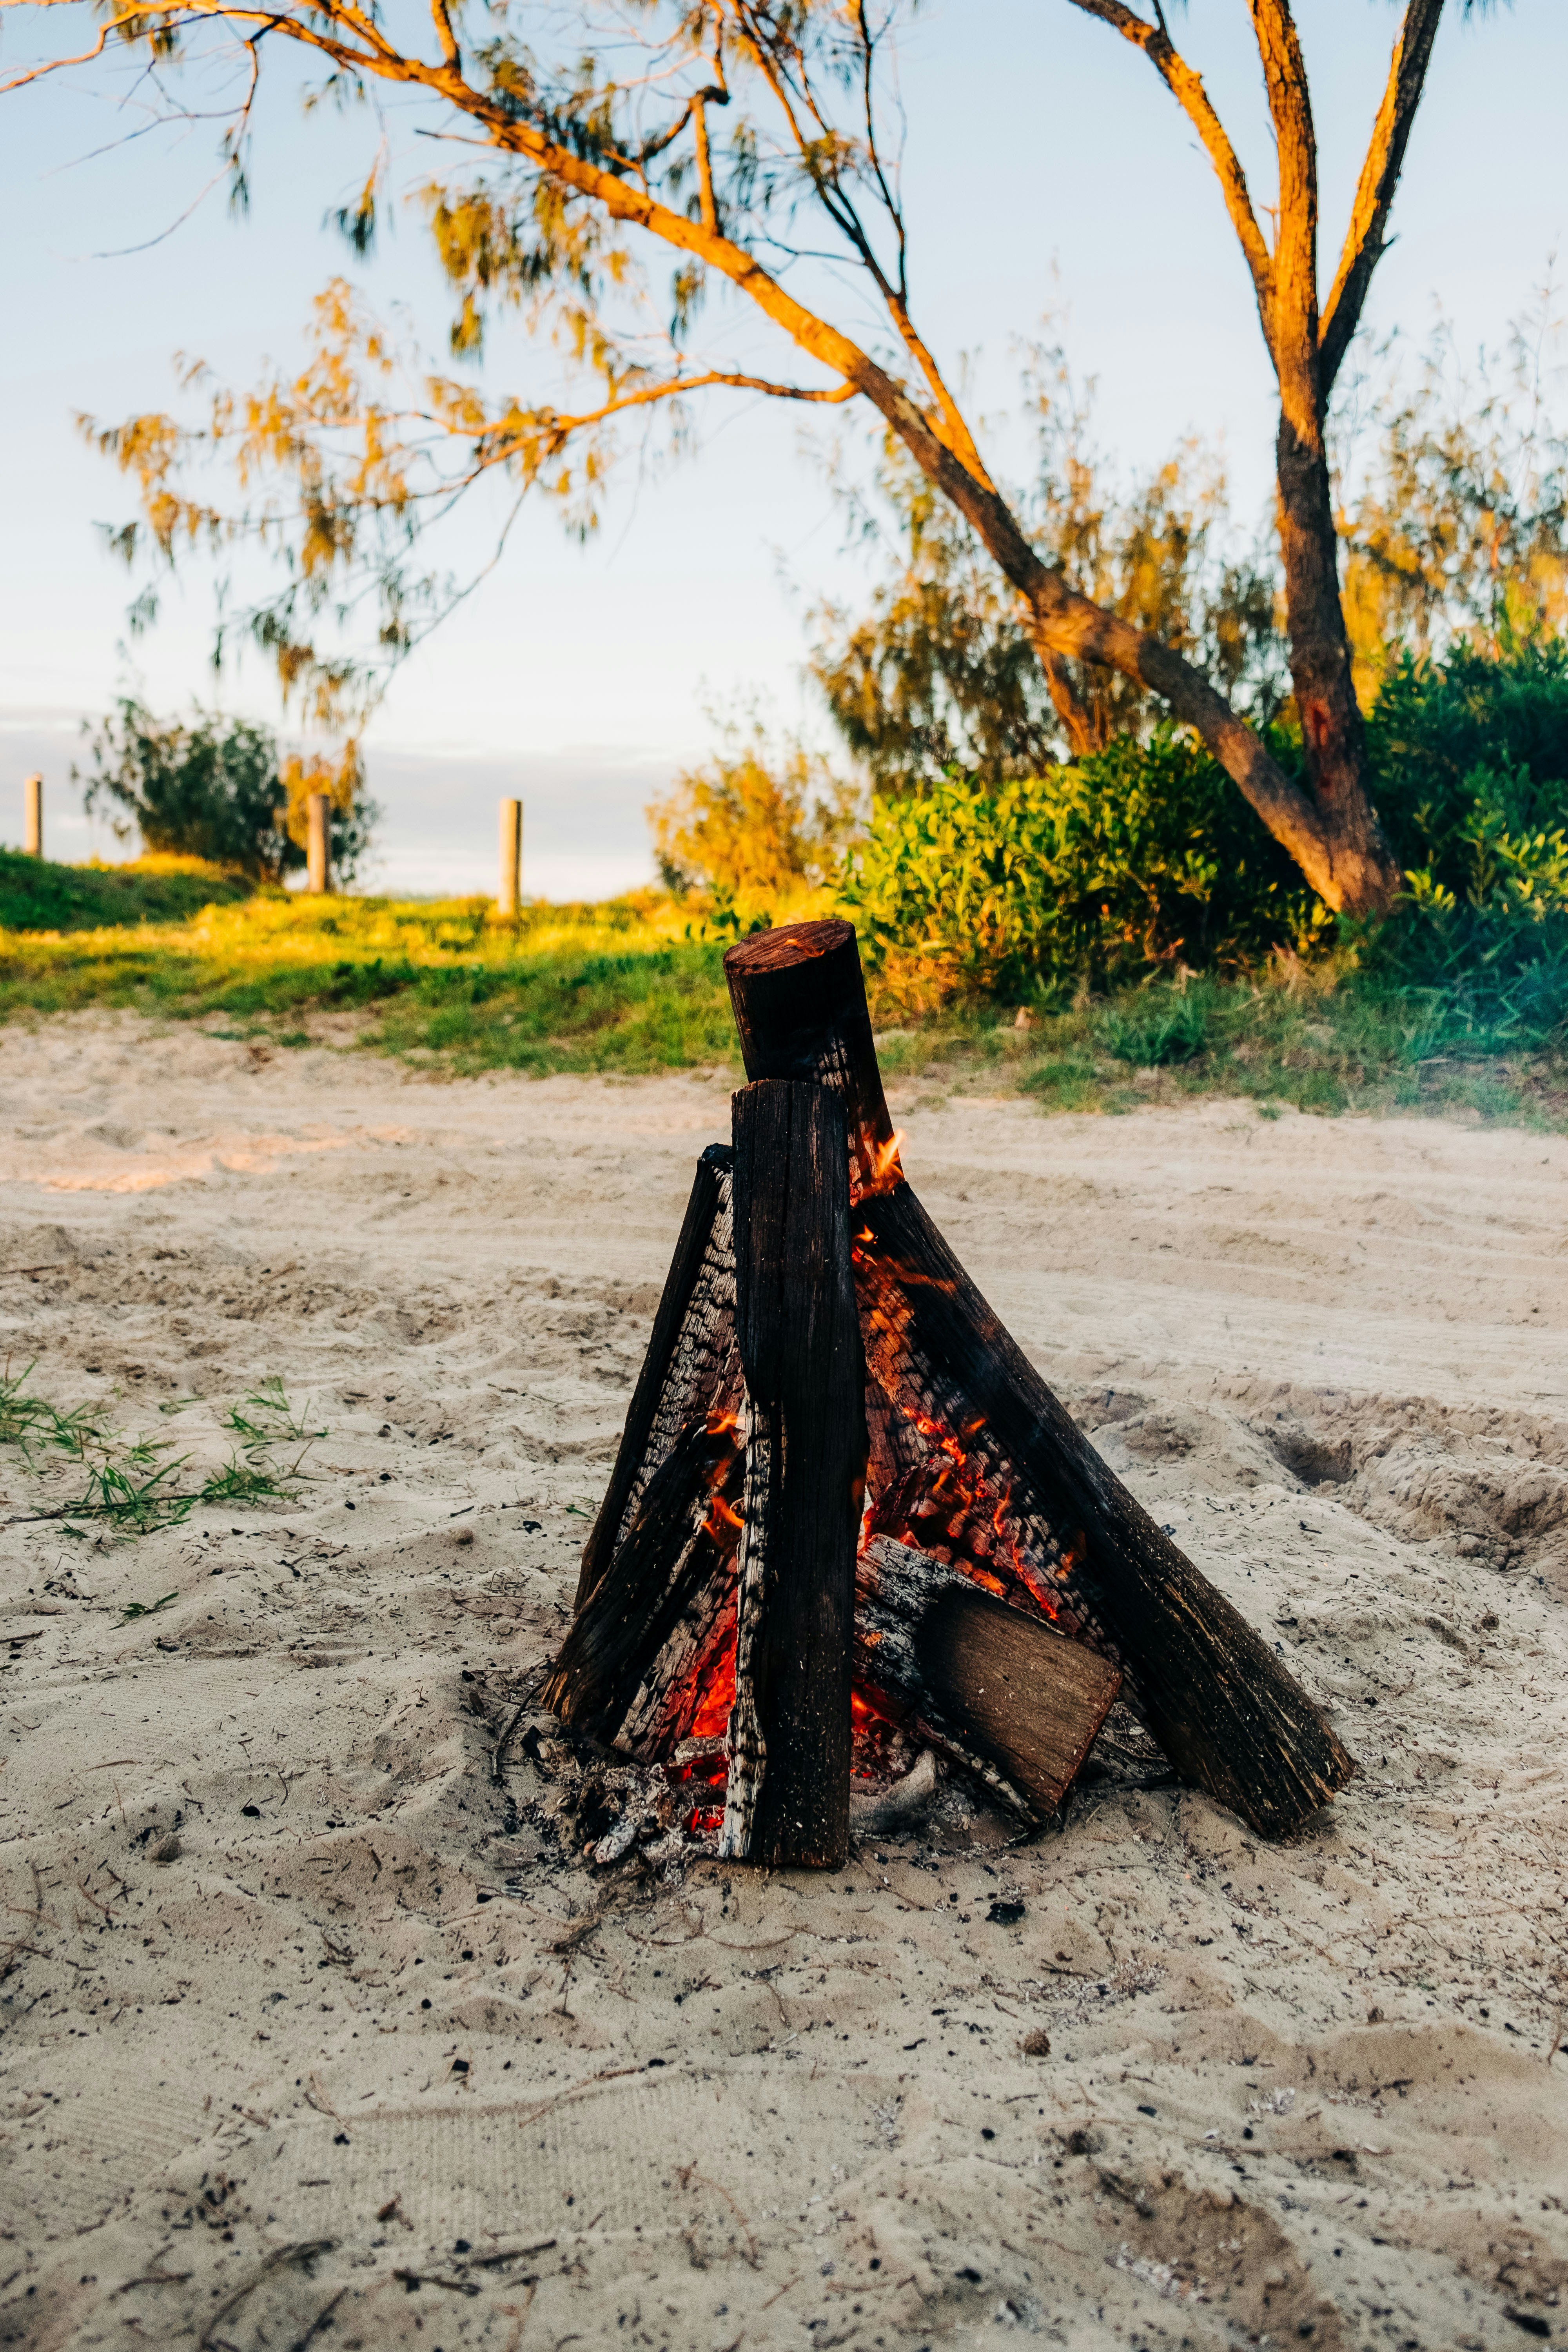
692 1332
1220 1703
799 999
799 1337
994 1686
676 1556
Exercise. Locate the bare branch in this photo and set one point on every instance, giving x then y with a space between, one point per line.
1363 243
1186 87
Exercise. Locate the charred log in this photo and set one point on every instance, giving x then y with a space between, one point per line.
994 1688
691 1343
799 1001
799 1339
647 1619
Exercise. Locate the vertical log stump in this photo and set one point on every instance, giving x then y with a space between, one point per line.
798 1332
1220 1703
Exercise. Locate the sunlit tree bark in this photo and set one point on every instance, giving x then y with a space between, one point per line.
584 154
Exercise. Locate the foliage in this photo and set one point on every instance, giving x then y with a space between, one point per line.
755 823
37 895
214 790
943 672
1457 533
1141 856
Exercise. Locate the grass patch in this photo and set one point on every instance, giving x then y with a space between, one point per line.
37 896
625 987
614 987
129 1485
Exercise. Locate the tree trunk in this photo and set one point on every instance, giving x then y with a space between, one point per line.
1331 729
787 1803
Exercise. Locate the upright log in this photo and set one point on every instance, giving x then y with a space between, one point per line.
1220 1703
1003 1693
683 1372
797 1326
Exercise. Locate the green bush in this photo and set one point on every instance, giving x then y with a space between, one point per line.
1470 757
1140 858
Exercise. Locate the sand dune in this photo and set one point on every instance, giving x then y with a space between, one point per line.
367 2060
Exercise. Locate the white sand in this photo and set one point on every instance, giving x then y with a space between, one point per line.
1292 2095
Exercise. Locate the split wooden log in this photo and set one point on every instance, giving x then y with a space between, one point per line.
1000 1691
631 1670
1220 1703
690 1358
787 1801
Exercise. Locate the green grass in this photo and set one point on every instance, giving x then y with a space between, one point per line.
623 987
37 896
611 987
134 1484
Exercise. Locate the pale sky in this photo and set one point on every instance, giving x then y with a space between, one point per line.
1048 171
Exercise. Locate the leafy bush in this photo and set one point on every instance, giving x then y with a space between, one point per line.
754 823
1141 857
1471 760
214 790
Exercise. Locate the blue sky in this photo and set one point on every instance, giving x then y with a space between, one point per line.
1048 171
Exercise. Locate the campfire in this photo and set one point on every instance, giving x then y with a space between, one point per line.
848 1521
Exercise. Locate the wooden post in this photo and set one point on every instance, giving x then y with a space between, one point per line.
787 1803
318 855
33 839
799 999
508 898
1222 1705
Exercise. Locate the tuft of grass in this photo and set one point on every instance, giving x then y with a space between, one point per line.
134 1485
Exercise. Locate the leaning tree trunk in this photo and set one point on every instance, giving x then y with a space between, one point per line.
1332 735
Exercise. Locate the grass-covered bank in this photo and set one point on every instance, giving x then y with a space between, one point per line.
625 987
615 987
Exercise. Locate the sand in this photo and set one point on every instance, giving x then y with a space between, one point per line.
368 2060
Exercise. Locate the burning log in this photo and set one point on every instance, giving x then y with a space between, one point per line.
690 1360
787 1801
1055 1523
1001 1692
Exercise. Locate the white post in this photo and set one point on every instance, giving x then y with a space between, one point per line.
508 899
317 856
34 842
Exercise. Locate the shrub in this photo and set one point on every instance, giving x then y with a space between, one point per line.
752 822
214 790
1140 858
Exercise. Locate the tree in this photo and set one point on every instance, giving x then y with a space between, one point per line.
940 672
215 788
601 126
753 821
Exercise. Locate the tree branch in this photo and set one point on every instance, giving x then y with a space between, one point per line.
1187 89
1363 243
1293 329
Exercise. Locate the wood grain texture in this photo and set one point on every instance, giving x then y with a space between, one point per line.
799 1001
682 1372
994 1688
640 1628
798 1333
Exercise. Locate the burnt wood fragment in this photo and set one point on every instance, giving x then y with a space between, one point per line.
994 1688
798 1333
799 1001
692 1337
